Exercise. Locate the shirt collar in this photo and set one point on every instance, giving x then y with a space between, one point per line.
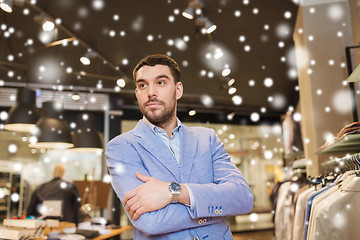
156 129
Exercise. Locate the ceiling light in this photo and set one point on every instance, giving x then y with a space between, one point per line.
75 96
237 100
230 116
7 5
231 82
188 13
203 21
24 114
194 6
85 137
86 59
46 22
52 131
121 82
48 25
210 27
232 90
192 112
226 72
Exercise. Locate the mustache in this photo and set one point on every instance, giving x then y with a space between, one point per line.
152 100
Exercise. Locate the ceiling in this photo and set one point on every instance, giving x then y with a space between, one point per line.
253 39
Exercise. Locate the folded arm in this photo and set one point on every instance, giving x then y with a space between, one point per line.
153 195
227 194
122 165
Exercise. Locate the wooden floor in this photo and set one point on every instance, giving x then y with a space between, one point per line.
255 235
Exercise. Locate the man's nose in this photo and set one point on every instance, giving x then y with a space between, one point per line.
152 91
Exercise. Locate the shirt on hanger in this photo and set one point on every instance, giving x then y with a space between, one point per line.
321 197
339 215
281 212
299 217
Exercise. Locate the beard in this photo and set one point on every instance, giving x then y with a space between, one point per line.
158 116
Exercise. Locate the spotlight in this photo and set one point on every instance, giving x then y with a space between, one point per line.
188 13
232 90
231 82
121 82
210 27
86 59
204 22
230 116
48 25
192 112
193 5
7 5
75 96
226 72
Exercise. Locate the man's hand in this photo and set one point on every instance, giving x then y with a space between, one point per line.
150 196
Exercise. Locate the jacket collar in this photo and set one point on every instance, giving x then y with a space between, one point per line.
188 150
153 144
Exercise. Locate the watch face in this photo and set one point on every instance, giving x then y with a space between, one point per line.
174 186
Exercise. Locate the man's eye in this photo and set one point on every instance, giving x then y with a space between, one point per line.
142 85
161 82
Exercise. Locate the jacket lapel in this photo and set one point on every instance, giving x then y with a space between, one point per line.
188 151
153 144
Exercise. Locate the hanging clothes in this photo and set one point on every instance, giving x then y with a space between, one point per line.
338 215
282 212
309 203
299 215
321 197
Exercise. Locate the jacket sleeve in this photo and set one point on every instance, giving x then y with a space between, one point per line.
123 161
229 194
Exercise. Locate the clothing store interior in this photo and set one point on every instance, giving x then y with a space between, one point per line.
276 80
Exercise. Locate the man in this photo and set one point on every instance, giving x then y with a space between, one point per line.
56 189
175 182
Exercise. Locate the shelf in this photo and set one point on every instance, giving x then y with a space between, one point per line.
348 144
355 75
294 155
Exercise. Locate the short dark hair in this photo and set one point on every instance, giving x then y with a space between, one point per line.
159 59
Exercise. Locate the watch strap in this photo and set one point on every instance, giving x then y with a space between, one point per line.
175 190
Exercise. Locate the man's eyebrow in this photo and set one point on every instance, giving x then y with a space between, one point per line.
140 80
157 77
162 76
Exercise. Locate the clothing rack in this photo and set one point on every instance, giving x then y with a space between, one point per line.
343 164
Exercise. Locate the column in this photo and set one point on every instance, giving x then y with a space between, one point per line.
323 30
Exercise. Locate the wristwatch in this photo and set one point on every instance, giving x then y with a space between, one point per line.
175 190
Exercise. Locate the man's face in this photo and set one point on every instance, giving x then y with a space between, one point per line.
157 93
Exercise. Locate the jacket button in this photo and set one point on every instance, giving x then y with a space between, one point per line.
196 238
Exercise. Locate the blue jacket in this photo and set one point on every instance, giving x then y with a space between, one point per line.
218 187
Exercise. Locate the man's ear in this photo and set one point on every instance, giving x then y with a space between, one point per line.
136 91
179 90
